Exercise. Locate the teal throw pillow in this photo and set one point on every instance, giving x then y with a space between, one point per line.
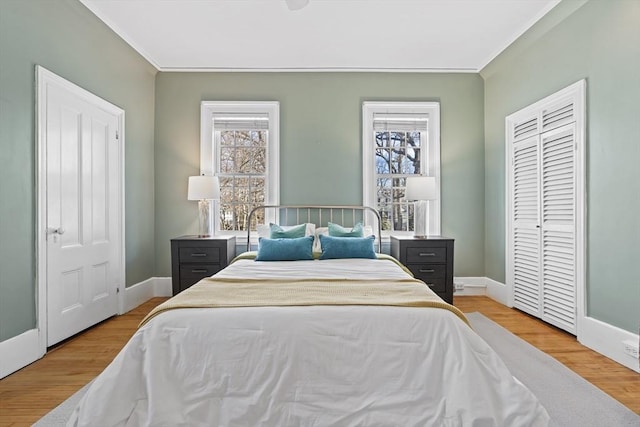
277 232
285 249
336 230
347 247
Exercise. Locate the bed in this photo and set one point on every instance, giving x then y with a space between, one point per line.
326 341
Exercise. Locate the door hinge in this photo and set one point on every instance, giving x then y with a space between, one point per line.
117 135
118 290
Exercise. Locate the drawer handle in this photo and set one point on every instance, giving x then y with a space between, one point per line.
427 271
198 254
199 271
431 285
427 254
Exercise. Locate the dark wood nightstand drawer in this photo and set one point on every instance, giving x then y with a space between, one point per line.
199 271
428 271
429 254
200 254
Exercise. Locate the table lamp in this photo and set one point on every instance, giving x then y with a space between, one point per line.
204 189
420 189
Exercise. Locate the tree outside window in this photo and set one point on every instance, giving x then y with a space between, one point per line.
397 157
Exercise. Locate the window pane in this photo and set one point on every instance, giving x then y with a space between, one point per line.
397 157
241 213
413 139
226 191
400 216
397 139
382 161
413 155
385 216
398 194
259 156
243 160
240 190
399 182
257 190
407 165
226 217
384 195
258 218
259 138
244 138
239 194
227 162
382 139
226 138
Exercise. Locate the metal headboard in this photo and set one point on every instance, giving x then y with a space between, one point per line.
320 215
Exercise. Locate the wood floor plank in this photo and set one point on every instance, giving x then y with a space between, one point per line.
30 393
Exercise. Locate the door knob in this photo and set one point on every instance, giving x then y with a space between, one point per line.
58 230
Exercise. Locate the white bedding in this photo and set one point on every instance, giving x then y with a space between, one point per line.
308 366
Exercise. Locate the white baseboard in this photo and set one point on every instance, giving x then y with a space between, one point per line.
145 290
473 286
19 351
497 291
482 286
607 340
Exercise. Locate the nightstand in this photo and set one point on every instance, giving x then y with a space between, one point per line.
429 259
194 258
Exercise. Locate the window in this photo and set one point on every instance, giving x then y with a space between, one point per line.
400 139
239 144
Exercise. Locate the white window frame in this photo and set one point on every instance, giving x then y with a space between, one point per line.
369 187
208 150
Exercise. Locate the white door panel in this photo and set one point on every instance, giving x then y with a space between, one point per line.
83 211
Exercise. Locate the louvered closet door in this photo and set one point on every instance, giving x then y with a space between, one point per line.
525 221
558 227
545 182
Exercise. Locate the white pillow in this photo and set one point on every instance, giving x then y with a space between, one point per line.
316 241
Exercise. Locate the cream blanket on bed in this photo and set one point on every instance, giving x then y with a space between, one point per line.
215 292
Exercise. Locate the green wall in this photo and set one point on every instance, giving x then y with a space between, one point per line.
64 37
599 41
320 144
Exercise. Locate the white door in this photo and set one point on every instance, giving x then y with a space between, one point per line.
83 205
545 208
526 226
558 211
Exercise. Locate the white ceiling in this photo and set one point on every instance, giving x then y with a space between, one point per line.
264 35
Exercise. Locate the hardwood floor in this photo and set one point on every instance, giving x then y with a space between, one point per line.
27 395
30 393
614 379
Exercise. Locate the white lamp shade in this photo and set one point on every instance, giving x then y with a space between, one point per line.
421 188
203 188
